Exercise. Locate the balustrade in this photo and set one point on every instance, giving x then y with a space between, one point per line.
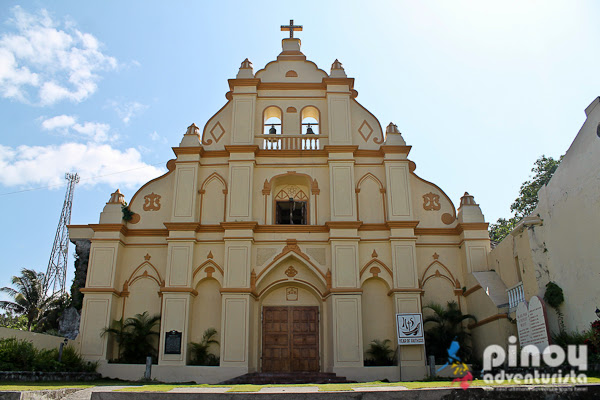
516 295
291 142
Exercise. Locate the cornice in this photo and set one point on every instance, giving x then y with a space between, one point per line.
243 82
100 290
250 148
178 290
239 225
343 224
109 228
291 229
402 224
393 149
339 81
340 149
291 153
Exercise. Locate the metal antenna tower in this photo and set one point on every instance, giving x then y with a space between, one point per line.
56 274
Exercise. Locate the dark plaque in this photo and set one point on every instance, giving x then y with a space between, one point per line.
173 342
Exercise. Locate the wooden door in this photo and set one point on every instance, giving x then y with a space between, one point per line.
290 339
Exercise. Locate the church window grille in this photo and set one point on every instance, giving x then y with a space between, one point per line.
291 206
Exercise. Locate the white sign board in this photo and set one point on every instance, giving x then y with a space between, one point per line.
532 325
410 328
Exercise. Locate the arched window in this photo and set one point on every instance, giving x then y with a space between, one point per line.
272 121
310 121
291 206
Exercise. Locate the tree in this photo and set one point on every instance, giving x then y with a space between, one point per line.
11 321
30 298
135 337
543 170
448 327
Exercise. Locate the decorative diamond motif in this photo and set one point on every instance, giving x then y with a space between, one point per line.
291 272
217 132
365 130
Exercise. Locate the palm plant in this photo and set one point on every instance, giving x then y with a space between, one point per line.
135 337
447 327
380 353
30 298
199 354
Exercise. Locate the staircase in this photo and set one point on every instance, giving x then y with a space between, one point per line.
263 378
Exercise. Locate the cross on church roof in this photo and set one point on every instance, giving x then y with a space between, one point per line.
291 27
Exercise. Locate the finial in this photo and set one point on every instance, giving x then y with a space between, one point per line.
337 70
246 71
392 128
246 64
393 135
467 200
117 198
192 130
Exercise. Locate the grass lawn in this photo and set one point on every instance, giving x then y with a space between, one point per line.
25 386
165 387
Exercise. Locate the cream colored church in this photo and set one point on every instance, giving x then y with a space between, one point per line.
293 224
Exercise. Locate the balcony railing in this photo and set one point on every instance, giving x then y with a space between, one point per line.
515 296
291 142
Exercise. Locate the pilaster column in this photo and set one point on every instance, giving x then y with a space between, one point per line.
237 299
241 181
177 292
346 307
397 178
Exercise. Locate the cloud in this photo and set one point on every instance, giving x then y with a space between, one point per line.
58 122
95 163
128 110
43 61
65 124
157 138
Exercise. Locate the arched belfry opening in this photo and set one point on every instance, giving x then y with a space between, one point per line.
310 127
310 121
272 127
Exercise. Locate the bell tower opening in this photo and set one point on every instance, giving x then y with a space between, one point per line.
291 206
290 212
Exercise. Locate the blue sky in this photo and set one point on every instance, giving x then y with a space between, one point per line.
480 89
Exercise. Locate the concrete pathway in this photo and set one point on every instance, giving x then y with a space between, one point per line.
289 389
379 388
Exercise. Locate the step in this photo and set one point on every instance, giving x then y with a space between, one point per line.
262 378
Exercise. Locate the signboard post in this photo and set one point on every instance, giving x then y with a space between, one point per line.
409 329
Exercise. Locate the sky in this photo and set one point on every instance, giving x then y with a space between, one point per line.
480 89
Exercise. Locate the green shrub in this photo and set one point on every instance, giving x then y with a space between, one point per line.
554 296
22 355
17 355
135 338
379 353
564 339
199 354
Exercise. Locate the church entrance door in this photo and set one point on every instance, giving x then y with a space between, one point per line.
290 339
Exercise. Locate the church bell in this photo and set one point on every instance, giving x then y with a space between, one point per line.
309 130
272 131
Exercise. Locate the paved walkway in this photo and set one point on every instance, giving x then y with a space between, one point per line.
591 391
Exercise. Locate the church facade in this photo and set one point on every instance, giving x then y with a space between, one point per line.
292 225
